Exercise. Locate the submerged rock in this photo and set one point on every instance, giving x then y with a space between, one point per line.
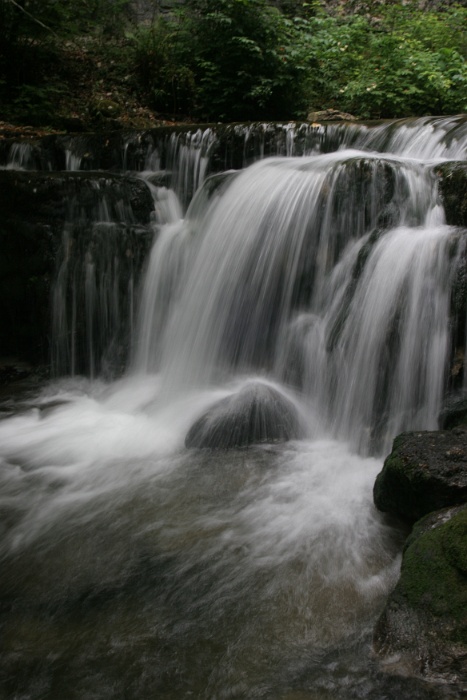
424 624
426 471
257 414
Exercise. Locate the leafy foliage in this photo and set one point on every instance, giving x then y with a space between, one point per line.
32 71
410 62
243 59
235 60
161 57
225 59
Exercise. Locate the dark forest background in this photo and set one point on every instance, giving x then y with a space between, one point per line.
80 64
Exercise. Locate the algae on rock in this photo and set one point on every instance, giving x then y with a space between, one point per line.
424 624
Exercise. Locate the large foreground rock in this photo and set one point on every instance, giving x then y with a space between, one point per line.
423 629
426 471
258 413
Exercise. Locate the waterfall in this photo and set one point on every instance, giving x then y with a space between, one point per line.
297 299
351 243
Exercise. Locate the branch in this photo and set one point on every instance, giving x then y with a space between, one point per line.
34 19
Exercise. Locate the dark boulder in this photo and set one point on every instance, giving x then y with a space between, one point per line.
424 624
426 471
258 413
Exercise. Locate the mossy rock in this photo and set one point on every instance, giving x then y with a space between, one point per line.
455 542
435 565
105 108
425 619
426 471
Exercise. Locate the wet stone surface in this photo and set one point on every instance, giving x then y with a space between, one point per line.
425 471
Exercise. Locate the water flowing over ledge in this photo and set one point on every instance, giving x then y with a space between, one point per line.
310 266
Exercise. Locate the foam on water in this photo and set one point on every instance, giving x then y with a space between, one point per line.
286 529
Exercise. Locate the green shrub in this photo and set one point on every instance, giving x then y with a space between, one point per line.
222 60
408 63
162 59
243 60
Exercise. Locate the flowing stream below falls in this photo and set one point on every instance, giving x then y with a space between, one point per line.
133 567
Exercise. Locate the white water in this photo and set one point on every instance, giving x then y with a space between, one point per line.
243 564
133 567
223 294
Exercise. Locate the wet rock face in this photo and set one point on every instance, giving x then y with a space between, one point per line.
453 189
424 624
454 413
34 209
426 471
29 240
256 414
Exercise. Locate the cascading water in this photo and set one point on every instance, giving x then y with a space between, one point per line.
97 266
350 244
135 567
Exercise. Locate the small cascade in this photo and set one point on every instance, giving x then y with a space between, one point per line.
20 157
188 160
93 303
425 138
72 160
168 264
379 361
183 157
